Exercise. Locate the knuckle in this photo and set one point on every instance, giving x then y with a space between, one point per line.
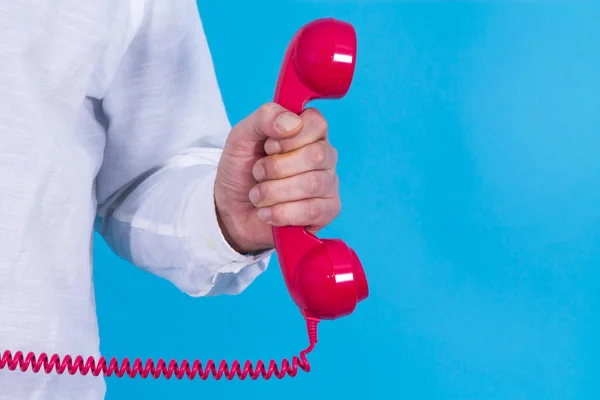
335 155
311 112
318 155
336 182
337 207
267 108
265 112
314 184
319 122
262 112
313 211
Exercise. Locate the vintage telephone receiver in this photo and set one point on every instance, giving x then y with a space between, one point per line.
324 276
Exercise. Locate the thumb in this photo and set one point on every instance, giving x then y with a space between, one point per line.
269 121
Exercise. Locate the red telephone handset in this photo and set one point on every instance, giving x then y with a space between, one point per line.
324 276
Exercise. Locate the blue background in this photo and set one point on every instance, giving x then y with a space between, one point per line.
469 165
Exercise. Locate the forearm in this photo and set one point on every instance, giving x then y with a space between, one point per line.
166 224
166 128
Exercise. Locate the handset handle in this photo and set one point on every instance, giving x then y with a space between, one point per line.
318 64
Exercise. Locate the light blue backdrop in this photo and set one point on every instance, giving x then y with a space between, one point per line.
469 165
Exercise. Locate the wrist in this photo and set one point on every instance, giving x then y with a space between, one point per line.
227 226
238 240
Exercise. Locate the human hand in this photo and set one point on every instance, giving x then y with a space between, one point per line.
277 169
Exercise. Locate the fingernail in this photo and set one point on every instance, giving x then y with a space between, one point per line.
287 122
259 172
272 147
264 214
254 196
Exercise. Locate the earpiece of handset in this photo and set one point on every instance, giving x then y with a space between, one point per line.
324 276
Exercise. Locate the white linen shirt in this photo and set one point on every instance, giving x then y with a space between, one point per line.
111 119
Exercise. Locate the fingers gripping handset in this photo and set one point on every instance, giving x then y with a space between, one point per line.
324 276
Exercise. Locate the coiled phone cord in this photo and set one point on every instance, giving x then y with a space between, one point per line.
172 369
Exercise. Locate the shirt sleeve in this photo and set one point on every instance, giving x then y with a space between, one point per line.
166 127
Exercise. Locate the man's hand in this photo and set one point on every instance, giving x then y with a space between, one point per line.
277 169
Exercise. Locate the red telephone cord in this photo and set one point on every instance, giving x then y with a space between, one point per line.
55 363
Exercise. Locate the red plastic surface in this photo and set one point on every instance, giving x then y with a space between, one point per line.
324 276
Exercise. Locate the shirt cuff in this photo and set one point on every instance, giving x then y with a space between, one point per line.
220 268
